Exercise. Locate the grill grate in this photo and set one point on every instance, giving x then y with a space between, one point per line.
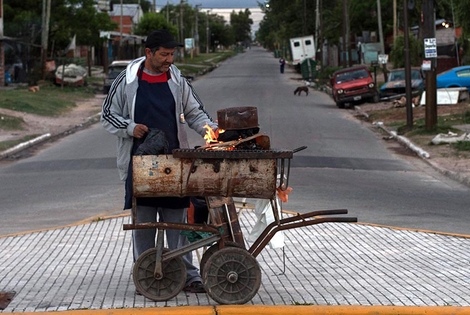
235 154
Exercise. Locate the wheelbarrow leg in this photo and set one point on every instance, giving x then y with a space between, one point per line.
222 211
158 273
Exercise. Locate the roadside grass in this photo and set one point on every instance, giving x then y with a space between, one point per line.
395 119
201 63
50 100
462 146
445 124
9 123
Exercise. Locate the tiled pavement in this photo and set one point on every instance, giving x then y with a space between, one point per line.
90 267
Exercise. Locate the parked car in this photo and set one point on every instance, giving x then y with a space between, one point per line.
70 74
455 77
396 84
353 85
114 69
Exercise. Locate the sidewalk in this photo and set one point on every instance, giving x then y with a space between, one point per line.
329 268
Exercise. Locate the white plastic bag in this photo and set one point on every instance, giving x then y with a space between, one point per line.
264 213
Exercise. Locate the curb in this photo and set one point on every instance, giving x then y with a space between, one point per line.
273 310
416 149
48 137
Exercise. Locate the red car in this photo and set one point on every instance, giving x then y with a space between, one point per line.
353 85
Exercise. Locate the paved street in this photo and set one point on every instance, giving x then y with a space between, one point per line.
89 266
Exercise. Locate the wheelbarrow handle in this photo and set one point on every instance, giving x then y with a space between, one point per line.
299 149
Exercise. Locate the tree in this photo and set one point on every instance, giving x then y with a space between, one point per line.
68 18
241 25
153 21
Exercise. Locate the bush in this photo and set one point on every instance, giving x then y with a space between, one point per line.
397 57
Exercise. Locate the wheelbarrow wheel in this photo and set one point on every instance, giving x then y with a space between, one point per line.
161 288
232 276
211 250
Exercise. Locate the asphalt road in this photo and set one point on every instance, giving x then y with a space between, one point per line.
346 164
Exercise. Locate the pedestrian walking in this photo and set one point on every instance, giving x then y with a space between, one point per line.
282 63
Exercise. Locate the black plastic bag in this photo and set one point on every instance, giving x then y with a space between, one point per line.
155 143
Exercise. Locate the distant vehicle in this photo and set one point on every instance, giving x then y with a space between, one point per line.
353 85
395 87
114 69
455 77
302 48
70 74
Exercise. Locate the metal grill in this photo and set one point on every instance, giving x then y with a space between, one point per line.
234 154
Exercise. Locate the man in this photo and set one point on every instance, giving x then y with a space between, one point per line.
282 63
152 94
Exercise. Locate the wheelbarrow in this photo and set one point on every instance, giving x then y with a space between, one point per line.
230 272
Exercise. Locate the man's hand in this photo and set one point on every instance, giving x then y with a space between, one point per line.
140 130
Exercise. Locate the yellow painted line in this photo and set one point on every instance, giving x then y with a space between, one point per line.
340 310
271 310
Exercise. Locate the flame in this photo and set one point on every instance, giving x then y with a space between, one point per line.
211 135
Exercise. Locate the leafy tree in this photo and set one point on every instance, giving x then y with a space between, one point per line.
241 25
23 19
154 21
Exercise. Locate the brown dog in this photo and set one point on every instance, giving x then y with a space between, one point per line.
34 89
301 89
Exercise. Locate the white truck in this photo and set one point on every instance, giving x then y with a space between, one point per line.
302 48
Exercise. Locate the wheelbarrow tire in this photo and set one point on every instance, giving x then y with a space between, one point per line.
165 288
232 276
211 250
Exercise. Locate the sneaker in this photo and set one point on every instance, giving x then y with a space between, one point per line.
195 287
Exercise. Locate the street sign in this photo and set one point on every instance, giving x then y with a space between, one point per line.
383 58
426 65
430 48
189 43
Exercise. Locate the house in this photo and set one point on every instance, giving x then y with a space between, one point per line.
127 14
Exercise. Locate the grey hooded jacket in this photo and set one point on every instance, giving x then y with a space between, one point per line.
117 115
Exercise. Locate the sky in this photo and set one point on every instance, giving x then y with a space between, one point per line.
215 4
223 8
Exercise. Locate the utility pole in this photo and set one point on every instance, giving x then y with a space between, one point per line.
196 33
120 54
381 33
429 32
343 50
2 52
395 32
409 108
207 32
317 23
304 18
182 50
46 13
